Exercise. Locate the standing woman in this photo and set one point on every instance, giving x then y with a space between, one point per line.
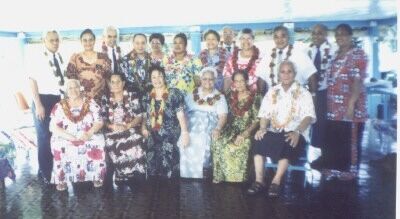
157 41
346 105
230 152
122 114
206 110
135 66
247 59
214 56
91 68
181 68
164 123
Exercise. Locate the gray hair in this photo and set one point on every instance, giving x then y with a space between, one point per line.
110 28
44 33
290 63
209 70
70 81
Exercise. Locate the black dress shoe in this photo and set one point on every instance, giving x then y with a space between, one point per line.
255 188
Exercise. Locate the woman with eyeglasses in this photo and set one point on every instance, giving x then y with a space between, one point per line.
157 41
206 112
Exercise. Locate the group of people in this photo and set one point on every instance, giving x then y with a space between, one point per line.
176 115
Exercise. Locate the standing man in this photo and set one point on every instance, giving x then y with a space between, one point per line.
46 79
228 39
111 48
321 53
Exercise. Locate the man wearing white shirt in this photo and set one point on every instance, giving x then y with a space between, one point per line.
46 79
321 53
110 47
268 67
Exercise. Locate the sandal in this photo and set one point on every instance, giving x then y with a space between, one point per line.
97 184
255 188
61 187
273 190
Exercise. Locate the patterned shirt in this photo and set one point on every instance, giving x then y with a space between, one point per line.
341 75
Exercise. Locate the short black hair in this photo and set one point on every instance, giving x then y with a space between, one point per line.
87 31
345 27
240 72
247 31
158 36
182 36
156 67
281 28
215 33
122 76
139 34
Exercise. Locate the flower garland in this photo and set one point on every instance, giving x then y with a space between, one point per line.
252 61
175 65
67 110
290 117
104 49
234 104
114 105
272 63
53 66
133 57
326 56
156 116
210 100
204 57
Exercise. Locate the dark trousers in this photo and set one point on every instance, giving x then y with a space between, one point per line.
339 149
43 134
318 138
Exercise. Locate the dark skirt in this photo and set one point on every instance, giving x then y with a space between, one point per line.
343 144
274 146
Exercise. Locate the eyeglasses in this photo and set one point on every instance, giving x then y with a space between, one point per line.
208 79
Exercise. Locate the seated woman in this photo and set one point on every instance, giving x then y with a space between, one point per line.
286 113
206 110
122 114
76 144
231 152
164 122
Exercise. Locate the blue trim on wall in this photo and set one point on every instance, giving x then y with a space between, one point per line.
8 34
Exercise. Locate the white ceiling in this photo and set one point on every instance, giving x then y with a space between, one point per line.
20 15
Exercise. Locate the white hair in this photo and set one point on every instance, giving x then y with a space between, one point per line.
109 28
289 63
210 70
70 81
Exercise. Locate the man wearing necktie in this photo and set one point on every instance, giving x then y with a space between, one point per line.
320 52
46 79
110 47
228 36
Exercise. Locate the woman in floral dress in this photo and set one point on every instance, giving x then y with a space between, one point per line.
214 56
231 151
207 111
76 143
122 114
181 68
91 68
135 66
164 123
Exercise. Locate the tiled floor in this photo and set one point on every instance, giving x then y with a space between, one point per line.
372 195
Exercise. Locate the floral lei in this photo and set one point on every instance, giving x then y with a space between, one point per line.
104 49
176 66
52 65
114 105
234 104
67 110
272 63
210 100
156 117
221 58
289 118
254 57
